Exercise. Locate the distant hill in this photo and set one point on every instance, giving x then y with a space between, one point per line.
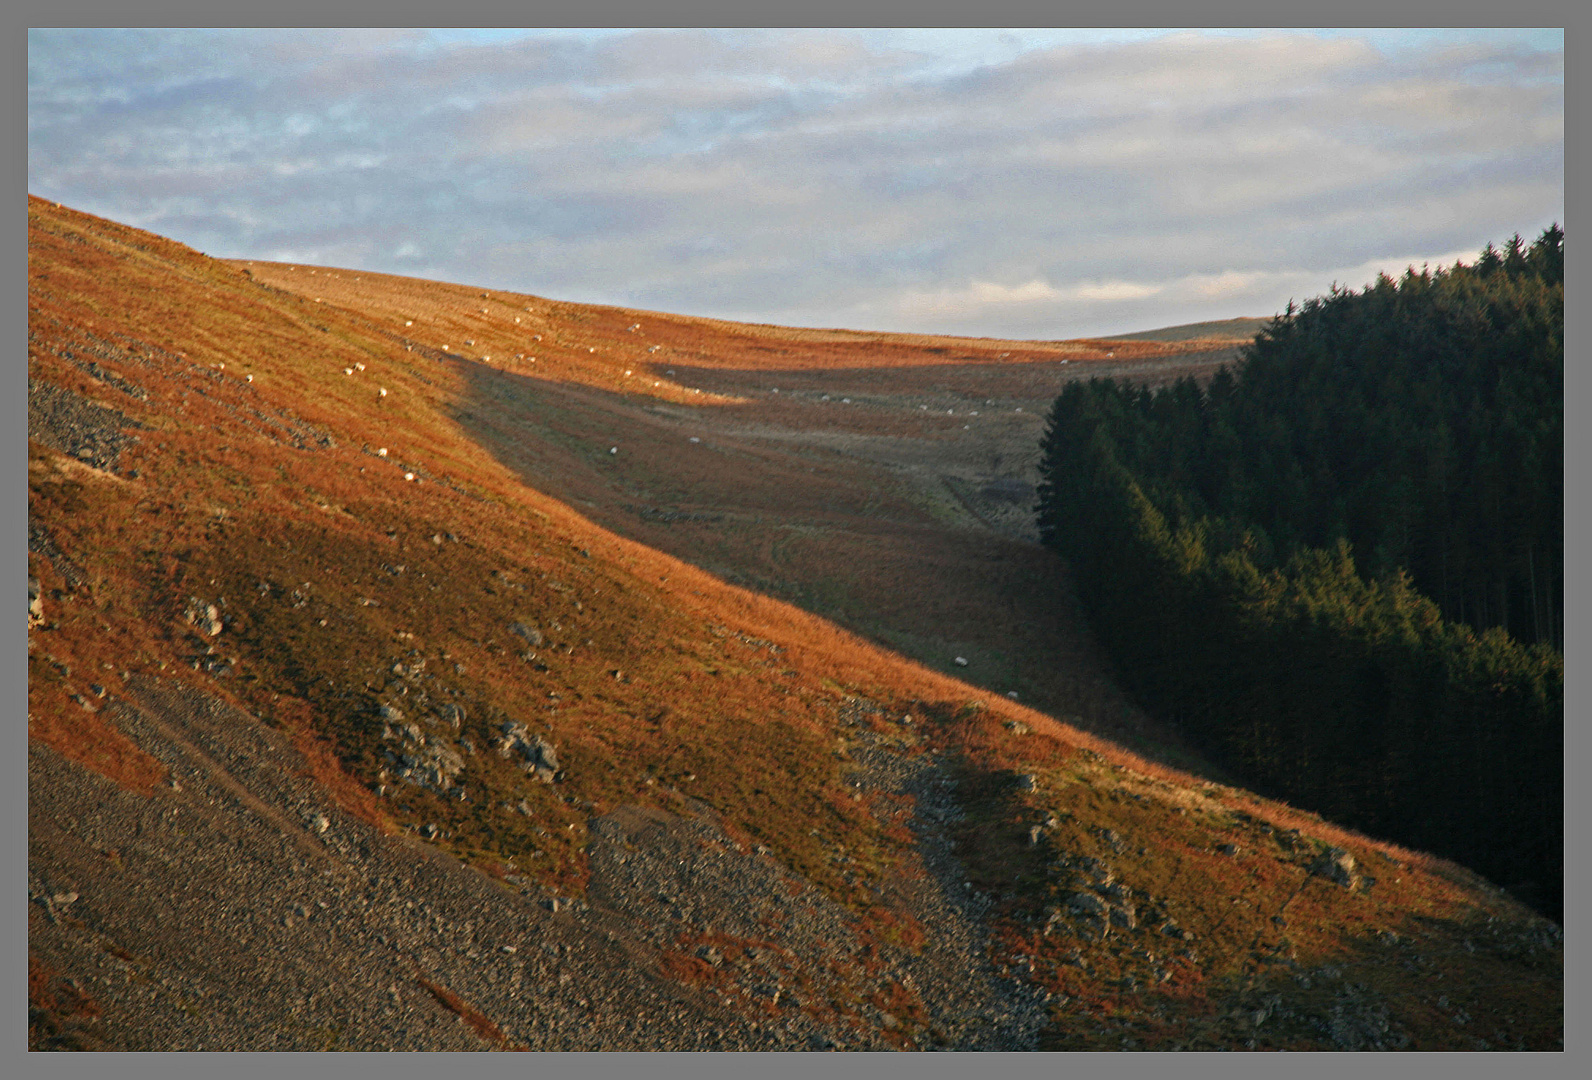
1225 329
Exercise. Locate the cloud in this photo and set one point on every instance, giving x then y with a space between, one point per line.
1032 182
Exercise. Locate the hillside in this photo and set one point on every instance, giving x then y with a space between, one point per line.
1237 330
420 666
1338 566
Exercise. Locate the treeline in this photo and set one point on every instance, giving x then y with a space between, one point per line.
1322 566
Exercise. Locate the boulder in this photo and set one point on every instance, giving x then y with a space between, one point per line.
203 615
526 631
1338 867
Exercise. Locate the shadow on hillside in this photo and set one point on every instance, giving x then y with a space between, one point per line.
1035 381
845 538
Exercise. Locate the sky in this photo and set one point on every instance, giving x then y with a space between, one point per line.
1007 183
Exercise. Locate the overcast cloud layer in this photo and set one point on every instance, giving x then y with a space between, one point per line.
1023 184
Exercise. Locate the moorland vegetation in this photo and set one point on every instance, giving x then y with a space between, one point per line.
1338 566
414 666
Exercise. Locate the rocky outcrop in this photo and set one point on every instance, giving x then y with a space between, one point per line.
203 615
539 758
422 759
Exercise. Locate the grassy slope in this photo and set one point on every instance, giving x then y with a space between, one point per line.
345 586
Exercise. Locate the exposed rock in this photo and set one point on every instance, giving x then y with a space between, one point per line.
526 631
40 543
35 604
203 615
452 714
1088 904
422 759
1028 782
72 424
1017 727
1337 866
1358 1021
540 758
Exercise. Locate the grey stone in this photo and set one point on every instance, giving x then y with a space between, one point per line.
1088 904
1337 866
526 631
540 757
423 760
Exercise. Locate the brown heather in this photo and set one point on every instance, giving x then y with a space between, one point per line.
708 653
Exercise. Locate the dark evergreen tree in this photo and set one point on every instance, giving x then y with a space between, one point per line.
1340 566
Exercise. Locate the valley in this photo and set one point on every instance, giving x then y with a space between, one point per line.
421 666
